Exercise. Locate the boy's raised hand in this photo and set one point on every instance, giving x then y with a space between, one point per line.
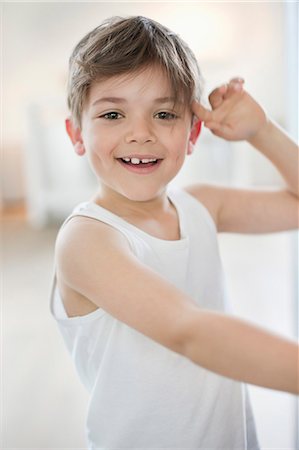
235 115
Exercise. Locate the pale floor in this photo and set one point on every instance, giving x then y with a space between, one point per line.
43 403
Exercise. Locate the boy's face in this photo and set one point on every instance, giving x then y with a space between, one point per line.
135 138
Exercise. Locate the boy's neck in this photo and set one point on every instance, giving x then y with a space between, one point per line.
157 217
124 207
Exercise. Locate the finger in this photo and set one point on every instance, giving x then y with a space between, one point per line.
237 80
216 97
235 85
225 91
221 114
200 111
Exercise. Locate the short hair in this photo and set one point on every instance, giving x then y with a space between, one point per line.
128 45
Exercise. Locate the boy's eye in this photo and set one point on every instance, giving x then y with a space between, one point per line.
113 115
164 115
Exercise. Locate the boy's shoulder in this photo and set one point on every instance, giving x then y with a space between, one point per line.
81 239
80 231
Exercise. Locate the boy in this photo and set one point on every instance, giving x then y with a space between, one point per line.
139 296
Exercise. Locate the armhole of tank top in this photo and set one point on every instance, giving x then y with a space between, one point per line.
193 200
58 310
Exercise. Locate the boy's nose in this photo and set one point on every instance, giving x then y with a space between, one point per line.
140 132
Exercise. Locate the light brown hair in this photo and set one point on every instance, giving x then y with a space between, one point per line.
128 45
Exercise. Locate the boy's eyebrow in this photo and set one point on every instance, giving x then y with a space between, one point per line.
165 100
109 100
123 100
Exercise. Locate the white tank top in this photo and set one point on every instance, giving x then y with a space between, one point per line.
143 395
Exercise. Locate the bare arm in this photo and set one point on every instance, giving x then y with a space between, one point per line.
282 151
96 261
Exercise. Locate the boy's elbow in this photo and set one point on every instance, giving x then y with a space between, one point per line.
196 337
187 336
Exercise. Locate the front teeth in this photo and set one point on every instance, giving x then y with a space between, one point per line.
138 161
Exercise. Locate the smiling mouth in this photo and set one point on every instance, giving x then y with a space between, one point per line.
137 162
140 165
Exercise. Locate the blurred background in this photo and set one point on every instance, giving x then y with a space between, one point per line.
43 403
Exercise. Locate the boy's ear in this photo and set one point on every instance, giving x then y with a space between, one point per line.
195 132
75 136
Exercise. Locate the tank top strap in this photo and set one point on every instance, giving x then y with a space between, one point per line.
96 212
189 205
